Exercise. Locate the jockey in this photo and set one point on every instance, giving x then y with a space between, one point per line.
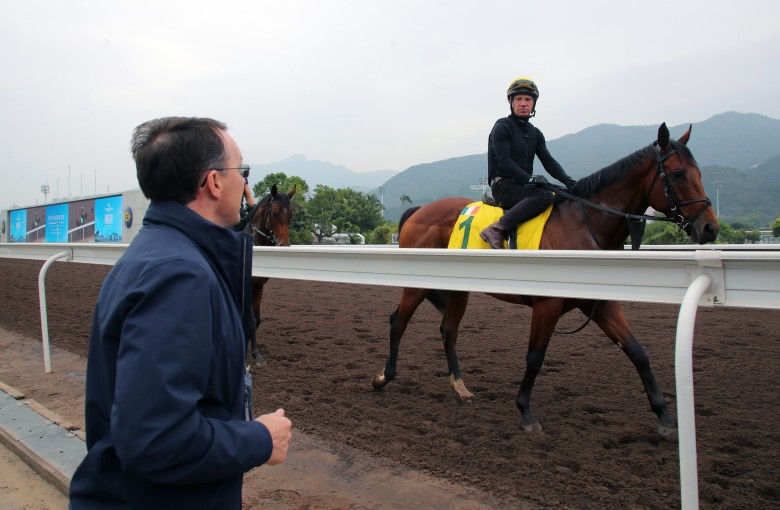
512 145
248 207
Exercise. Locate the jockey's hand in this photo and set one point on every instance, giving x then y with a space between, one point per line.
538 180
570 183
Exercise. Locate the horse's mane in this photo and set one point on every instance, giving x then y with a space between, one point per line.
597 181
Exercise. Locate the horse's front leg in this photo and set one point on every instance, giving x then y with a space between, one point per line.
257 297
610 318
546 312
399 319
450 323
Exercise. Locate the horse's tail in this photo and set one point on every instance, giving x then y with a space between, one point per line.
405 216
437 297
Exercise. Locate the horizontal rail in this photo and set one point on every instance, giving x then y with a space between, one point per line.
740 278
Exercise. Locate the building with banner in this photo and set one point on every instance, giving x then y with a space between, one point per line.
110 218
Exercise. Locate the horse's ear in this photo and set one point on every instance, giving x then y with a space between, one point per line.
274 191
291 193
663 136
686 136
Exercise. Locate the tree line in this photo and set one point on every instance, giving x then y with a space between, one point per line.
324 211
663 232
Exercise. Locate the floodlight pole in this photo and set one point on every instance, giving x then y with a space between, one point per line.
718 182
45 191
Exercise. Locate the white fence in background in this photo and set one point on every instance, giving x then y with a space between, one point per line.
716 275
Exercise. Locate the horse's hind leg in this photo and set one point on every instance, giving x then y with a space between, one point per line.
454 310
399 319
609 316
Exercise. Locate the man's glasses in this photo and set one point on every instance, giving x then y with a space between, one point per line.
244 170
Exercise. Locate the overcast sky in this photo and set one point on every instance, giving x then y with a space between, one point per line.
369 85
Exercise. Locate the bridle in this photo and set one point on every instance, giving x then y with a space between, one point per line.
265 230
636 222
675 204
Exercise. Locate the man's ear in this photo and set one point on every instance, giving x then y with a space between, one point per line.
213 185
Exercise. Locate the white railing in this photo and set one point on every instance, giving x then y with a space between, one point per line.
741 276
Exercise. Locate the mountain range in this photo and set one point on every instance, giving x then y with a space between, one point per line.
324 172
738 153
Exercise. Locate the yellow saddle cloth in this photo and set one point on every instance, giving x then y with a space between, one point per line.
478 215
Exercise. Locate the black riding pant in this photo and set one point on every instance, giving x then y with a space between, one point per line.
520 202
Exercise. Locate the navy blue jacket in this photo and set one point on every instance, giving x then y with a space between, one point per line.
165 394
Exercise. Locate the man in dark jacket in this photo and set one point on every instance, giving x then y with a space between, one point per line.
168 403
512 145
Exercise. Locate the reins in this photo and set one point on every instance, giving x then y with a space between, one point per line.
590 318
266 235
636 222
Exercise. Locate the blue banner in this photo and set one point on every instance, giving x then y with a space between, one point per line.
18 230
108 220
57 223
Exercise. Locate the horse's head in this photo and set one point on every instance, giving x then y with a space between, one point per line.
676 190
270 225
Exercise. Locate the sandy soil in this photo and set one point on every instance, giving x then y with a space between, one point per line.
600 449
22 489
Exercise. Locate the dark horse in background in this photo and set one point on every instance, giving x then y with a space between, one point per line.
269 225
663 176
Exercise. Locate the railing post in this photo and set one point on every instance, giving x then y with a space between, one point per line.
42 300
683 369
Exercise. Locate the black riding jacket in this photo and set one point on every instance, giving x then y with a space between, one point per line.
512 145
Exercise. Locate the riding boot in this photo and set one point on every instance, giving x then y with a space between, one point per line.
494 234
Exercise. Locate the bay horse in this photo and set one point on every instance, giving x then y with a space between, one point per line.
269 224
663 175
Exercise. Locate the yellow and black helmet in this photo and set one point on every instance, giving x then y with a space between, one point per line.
522 85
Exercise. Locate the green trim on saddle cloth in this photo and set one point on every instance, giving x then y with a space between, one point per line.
477 215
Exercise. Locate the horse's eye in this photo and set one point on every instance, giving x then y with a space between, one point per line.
679 176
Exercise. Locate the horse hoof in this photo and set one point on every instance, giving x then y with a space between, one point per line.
460 388
379 382
668 432
533 427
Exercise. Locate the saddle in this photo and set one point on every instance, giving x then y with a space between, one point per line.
478 215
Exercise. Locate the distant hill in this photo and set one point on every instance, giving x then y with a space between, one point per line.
323 172
741 149
736 140
750 196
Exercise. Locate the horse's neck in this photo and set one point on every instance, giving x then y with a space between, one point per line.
626 195
255 225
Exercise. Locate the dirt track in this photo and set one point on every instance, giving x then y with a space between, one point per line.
600 449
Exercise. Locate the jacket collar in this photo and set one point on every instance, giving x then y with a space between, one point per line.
520 121
225 248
